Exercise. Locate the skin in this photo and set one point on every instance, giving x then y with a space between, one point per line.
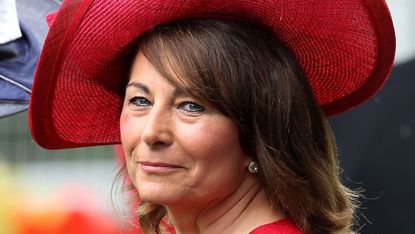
185 155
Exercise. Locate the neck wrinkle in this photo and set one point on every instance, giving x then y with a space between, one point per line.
218 215
249 194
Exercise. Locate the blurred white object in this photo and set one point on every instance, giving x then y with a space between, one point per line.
9 23
403 15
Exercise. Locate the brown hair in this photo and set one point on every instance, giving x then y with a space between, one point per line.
243 70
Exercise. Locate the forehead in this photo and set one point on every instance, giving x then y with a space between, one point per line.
145 77
142 69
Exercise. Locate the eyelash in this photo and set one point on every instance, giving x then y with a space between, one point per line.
198 110
182 105
132 100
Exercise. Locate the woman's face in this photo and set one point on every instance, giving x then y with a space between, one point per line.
178 150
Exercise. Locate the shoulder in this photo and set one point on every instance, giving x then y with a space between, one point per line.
283 226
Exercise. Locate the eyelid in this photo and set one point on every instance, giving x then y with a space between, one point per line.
132 99
200 108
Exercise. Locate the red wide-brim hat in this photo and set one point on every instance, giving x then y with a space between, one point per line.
345 47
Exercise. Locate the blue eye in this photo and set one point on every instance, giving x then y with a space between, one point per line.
139 101
191 107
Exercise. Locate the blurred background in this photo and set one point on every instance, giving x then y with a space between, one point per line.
376 141
51 192
70 191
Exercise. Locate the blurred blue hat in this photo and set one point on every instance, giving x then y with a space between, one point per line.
18 58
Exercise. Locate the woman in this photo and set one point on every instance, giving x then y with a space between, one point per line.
219 107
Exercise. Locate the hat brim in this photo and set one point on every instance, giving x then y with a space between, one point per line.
346 49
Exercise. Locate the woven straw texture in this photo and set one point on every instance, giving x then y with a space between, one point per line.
345 47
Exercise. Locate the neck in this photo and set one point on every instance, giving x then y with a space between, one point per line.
243 210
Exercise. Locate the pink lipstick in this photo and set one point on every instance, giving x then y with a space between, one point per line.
158 167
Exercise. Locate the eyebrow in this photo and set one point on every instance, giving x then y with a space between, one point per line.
176 92
140 86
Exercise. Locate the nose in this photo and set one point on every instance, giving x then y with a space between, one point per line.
157 130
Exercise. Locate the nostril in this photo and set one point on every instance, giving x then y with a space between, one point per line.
159 143
157 139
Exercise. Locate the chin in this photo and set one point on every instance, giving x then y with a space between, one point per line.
156 193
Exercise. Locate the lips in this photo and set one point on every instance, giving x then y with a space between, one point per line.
159 164
158 167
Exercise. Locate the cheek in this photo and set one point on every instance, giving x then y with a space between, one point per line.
129 136
219 161
129 129
215 145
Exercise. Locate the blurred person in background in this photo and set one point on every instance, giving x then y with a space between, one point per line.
22 32
221 107
19 52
